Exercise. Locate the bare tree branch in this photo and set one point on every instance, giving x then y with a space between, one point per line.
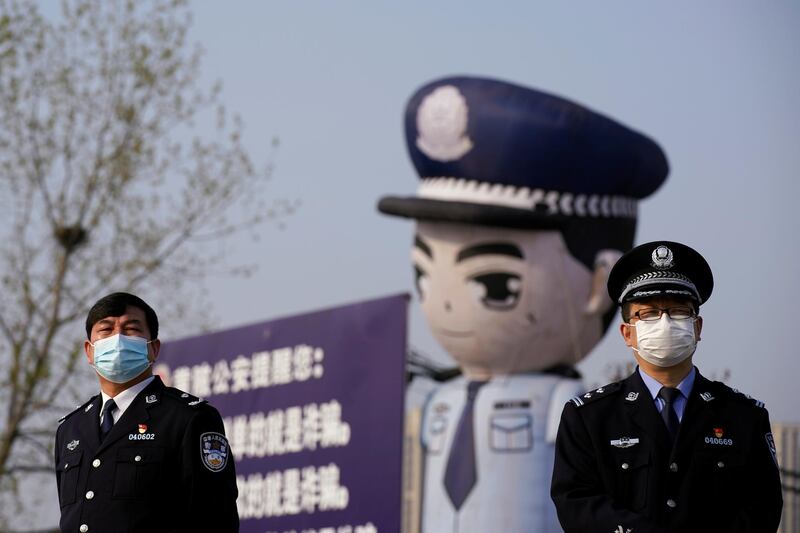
107 188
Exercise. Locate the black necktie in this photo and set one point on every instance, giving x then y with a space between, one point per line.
668 414
461 474
108 418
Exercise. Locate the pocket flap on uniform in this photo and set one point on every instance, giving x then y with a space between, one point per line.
140 455
69 460
511 423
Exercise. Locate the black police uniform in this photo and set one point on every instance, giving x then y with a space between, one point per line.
616 471
165 466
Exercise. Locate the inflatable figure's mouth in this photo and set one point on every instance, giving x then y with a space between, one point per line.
454 333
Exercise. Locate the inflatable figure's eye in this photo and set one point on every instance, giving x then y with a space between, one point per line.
496 290
421 282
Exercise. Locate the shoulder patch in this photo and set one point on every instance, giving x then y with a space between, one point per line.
593 395
86 406
214 450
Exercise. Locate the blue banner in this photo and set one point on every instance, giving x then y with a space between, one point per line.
313 410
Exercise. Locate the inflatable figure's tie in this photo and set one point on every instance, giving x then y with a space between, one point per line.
461 474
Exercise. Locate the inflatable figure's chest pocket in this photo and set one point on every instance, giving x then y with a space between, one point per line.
511 432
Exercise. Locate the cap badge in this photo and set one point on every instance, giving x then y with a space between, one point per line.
442 124
662 257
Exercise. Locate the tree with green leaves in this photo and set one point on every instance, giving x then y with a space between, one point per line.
104 186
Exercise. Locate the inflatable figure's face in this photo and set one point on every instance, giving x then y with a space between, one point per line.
504 301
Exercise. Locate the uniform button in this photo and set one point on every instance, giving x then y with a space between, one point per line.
673 467
721 464
625 466
671 503
96 463
89 495
137 458
66 465
84 528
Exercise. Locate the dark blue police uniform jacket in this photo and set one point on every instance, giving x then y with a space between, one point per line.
164 467
615 470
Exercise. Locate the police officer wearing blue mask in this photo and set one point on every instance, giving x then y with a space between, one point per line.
140 456
665 450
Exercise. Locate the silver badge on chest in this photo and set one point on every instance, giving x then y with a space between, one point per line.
625 442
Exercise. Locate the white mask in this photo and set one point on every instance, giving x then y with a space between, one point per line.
665 342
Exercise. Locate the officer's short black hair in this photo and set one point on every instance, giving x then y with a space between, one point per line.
114 305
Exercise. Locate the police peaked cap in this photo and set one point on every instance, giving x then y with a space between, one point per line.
661 268
493 153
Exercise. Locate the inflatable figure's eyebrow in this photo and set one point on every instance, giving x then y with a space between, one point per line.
423 246
492 248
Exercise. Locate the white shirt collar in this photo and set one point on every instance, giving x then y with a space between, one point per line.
125 398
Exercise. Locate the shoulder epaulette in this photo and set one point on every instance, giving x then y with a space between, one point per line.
742 395
593 395
185 397
82 406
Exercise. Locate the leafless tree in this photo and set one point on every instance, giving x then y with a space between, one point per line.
103 186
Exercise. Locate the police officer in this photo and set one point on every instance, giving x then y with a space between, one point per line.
665 449
140 456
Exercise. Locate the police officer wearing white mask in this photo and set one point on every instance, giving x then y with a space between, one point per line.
665 450
140 456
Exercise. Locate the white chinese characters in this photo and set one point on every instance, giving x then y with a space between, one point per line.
281 366
290 430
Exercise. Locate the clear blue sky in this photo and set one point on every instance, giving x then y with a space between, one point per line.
716 83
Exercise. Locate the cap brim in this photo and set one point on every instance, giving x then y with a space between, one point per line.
468 213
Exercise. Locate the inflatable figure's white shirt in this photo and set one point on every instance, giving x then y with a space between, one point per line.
516 420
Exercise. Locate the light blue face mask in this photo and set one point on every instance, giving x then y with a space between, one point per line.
120 358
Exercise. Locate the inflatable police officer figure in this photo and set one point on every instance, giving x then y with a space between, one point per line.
525 202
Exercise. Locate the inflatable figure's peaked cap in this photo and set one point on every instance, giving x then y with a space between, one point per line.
493 153
661 268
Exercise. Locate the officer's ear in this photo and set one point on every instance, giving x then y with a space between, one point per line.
628 333
599 302
698 327
155 347
89 350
